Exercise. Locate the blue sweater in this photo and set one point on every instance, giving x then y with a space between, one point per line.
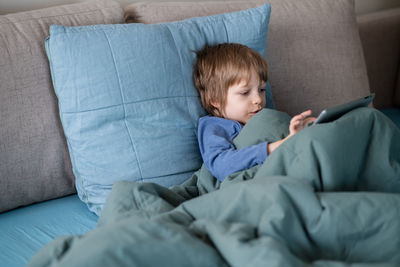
218 151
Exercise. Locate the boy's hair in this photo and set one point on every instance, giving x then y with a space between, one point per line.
219 67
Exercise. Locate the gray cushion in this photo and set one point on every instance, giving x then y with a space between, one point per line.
380 36
34 161
313 48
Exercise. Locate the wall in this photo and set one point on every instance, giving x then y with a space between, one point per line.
9 6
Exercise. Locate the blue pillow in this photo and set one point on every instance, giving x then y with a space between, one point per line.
127 101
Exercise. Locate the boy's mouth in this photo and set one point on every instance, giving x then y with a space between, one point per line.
255 112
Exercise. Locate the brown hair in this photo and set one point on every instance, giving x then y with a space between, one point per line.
219 67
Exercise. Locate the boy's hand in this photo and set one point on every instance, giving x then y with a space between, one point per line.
298 122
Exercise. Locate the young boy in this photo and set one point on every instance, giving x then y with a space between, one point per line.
231 80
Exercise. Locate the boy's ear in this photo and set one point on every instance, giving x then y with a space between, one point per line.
215 104
217 107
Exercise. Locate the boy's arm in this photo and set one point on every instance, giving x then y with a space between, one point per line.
296 124
272 146
219 153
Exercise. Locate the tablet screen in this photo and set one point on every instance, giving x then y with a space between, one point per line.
334 113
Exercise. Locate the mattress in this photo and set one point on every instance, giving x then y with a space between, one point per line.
25 230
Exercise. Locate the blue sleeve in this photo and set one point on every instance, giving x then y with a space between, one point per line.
220 155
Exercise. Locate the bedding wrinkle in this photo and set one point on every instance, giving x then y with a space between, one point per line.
317 164
226 32
366 149
186 86
288 218
134 149
270 220
290 194
127 103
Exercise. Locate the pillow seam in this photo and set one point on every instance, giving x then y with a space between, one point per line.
128 103
123 104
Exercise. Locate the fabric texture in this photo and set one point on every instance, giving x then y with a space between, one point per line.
127 100
393 114
309 204
153 12
380 36
26 230
268 126
34 160
314 50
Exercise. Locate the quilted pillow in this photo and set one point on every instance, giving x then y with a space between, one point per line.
127 101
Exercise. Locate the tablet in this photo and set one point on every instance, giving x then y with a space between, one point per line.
331 114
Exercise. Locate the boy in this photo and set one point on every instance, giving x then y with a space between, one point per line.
231 80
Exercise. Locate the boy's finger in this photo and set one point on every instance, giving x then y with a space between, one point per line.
306 113
297 117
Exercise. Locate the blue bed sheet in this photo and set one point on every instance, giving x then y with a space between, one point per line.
25 230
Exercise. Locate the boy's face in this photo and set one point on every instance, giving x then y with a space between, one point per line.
244 100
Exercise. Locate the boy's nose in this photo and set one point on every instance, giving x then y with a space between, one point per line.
256 99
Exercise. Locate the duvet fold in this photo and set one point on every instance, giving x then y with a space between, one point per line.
329 196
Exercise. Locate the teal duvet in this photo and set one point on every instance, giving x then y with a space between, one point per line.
329 196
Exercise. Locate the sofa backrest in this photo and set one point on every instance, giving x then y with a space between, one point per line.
380 36
34 161
313 47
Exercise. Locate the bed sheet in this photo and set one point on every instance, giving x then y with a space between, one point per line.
25 230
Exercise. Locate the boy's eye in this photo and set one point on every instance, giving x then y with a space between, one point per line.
261 90
244 92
